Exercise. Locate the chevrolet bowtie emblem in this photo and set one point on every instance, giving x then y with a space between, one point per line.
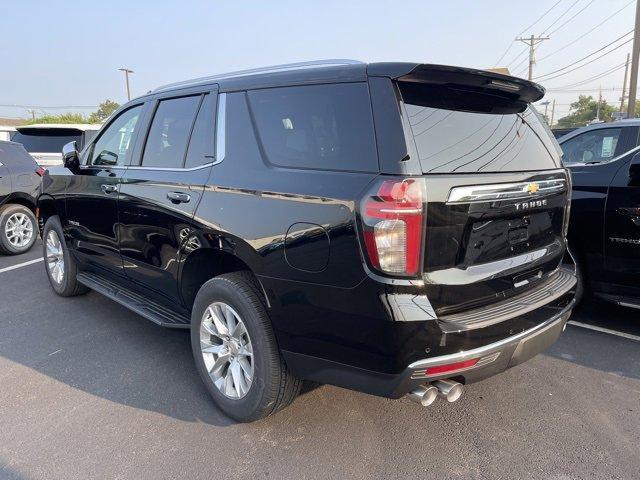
533 188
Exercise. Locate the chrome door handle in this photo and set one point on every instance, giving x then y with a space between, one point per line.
179 197
109 188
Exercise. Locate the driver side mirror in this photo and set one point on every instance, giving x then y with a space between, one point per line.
70 156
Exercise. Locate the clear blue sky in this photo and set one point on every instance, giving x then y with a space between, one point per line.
68 52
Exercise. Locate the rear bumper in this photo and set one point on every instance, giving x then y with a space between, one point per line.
494 358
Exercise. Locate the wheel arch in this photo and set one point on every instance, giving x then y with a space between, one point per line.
204 264
18 198
46 208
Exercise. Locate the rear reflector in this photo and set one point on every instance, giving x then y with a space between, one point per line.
41 171
451 367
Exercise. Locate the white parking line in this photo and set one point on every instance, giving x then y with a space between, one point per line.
604 330
20 265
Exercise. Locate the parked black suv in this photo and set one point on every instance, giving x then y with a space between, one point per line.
19 189
391 228
604 232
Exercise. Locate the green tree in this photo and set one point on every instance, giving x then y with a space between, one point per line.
584 110
105 109
62 118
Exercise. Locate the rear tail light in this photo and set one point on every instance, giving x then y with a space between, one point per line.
393 223
41 171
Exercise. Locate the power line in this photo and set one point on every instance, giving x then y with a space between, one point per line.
561 90
518 56
572 17
527 28
587 56
589 62
561 15
540 18
587 32
595 77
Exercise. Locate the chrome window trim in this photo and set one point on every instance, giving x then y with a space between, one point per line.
221 129
504 191
138 167
220 147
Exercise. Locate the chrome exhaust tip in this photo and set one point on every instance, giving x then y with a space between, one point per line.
425 395
448 389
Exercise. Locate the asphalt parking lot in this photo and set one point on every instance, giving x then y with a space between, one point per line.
91 390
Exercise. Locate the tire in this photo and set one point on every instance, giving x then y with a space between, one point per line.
18 229
63 279
271 386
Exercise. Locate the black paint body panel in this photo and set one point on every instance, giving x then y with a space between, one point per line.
604 230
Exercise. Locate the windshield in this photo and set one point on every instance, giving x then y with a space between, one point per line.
46 141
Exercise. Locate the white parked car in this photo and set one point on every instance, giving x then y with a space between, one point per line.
45 141
6 133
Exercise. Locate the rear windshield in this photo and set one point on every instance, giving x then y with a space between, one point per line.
449 140
46 141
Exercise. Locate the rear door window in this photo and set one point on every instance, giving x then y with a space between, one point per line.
327 127
594 146
201 144
169 134
453 140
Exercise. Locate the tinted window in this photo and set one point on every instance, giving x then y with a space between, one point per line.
200 149
595 146
12 155
46 141
114 145
450 140
169 134
320 126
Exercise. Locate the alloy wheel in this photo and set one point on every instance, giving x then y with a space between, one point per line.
226 349
19 230
55 257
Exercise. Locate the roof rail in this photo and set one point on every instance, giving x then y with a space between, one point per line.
276 68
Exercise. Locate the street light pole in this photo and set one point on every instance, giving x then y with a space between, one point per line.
126 76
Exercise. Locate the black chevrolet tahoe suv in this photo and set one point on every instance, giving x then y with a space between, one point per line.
393 228
604 232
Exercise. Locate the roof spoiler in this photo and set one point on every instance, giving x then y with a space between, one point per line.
509 93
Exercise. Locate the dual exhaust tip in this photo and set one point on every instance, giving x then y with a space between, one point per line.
427 394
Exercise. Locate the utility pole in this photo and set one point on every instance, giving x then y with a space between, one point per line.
32 112
624 84
599 102
633 83
532 41
553 110
126 76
